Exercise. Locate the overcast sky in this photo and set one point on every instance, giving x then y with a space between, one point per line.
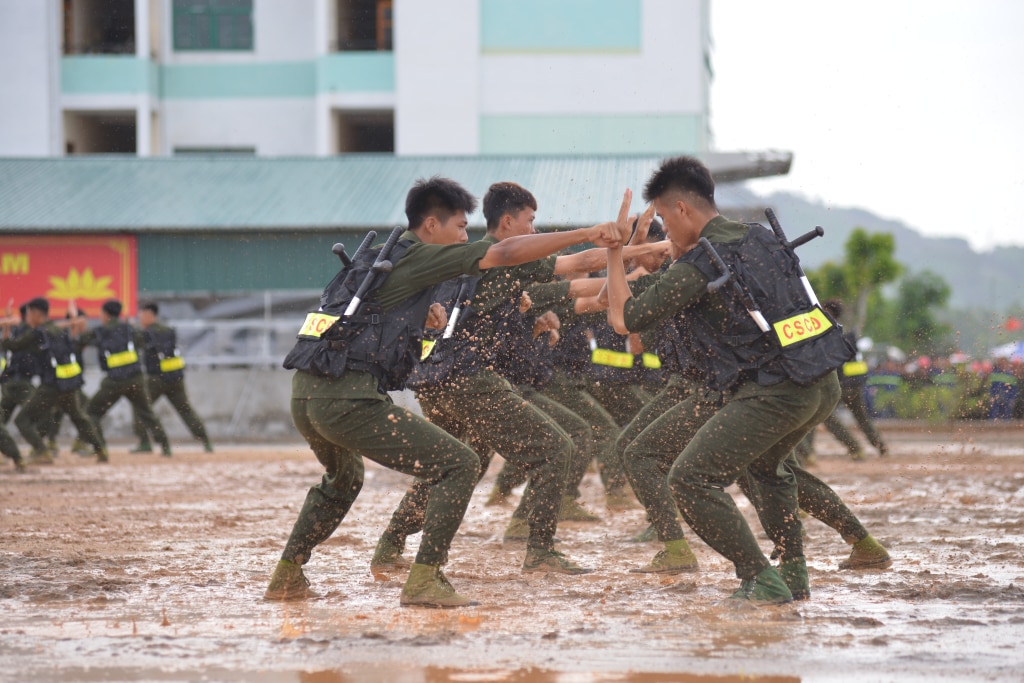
911 109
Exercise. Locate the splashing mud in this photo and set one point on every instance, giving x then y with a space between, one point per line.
154 569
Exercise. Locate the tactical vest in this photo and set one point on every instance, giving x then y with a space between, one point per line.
118 357
803 343
61 368
525 360
572 353
23 365
439 355
162 357
385 344
610 358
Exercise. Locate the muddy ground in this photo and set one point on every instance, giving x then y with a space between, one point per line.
154 569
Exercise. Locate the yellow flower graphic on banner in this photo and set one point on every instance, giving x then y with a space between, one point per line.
81 286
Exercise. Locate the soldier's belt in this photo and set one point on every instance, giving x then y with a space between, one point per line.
615 359
122 358
68 370
171 364
801 327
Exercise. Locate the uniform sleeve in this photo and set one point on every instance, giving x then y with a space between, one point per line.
28 341
548 294
426 265
676 288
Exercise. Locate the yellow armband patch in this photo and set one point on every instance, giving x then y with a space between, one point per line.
802 326
428 346
171 364
651 361
615 359
122 358
316 324
855 368
68 370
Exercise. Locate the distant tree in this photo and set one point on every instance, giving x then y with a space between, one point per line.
910 321
869 263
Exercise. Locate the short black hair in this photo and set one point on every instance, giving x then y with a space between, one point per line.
150 306
506 198
684 174
38 304
438 197
112 308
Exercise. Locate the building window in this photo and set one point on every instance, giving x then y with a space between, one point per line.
99 27
99 132
213 24
363 25
363 131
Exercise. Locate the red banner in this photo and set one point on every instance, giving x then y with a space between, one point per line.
89 269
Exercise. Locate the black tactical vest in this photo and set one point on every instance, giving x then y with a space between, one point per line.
60 367
803 343
384 344
118 357
162 357
23 365
439 355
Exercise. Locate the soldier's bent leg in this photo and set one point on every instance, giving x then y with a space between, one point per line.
748 432
71 403
33 412
175 393
139 397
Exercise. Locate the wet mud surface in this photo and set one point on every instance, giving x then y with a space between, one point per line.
154 569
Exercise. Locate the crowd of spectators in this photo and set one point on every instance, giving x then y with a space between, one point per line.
953 388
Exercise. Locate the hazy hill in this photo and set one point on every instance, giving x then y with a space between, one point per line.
991 280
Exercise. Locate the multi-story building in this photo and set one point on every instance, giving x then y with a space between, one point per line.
327 77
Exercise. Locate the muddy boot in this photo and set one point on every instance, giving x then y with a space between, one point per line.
620 499
794 574
427 586
43 457
496 497
102 455
143 447
165 450
81 448
518 530
207 447
648 535
288 583
571 511
19 465
883 451
551 561
857 455
53 448
867 553
387 556
767 588
676 558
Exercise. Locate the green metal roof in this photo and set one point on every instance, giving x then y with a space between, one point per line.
116 194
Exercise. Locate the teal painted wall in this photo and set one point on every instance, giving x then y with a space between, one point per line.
560 25
341 72
119 75
608 134
242 261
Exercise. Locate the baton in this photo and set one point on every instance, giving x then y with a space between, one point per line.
745 298
339 250
457 309
791 247
381 265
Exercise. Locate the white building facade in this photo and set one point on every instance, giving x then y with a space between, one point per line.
328 77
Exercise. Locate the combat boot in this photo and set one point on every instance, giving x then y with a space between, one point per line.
767 588
387 556
43 457
496 497
143 447
867 553
518 530
165 450
207 447
427 586
19 465
81 448
102 455
676 558
288 583
794 573
571 511
551 561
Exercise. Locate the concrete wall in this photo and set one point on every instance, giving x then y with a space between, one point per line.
29 58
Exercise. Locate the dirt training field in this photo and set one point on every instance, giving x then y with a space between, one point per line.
154 569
